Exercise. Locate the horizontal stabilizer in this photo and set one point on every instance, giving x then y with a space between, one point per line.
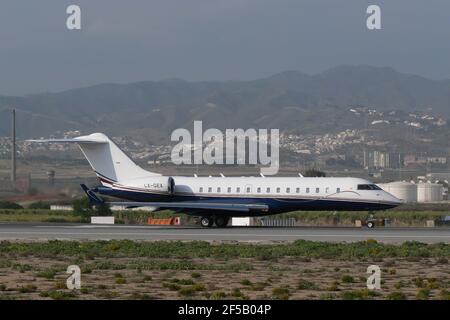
93 198
74 140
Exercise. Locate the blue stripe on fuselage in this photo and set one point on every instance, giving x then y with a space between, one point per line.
275 205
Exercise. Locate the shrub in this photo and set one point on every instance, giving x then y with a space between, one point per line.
399 285
39 205
60 285
334 286
358 294
306 285
396 295
183 281
28 288
47 274
171 286
9 205
195 275
102 210
423 294
259 286
83 208
327 296
280 293
444 295
419 282
347 279
148 278
57 295
199 287
186 291
246 282
84 290
217 295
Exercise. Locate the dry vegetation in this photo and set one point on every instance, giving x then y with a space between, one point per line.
200 270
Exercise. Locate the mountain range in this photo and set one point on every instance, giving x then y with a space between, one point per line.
289 100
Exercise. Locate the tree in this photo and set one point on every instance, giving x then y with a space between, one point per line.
103 210
83 208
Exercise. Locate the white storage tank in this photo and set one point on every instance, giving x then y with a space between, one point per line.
405 191
429 192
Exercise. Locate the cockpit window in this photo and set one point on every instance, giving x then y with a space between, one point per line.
368 187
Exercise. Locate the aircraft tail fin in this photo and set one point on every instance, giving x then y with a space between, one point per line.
108 161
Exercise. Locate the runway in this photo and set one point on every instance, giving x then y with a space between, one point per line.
42 232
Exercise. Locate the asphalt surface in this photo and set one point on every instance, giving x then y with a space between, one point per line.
42 232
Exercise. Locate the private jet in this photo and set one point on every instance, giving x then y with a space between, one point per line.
216 199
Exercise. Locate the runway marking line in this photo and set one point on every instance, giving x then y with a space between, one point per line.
225 235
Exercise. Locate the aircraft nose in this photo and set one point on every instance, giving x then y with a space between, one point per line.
394 199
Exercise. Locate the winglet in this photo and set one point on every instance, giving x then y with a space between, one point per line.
93 199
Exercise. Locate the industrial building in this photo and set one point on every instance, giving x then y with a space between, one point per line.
411 192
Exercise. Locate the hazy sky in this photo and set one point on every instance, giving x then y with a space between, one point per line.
134 40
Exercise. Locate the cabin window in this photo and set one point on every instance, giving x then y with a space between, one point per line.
327 190
238 189
248 190
209 189
258 190
368 187
278 190
307 190
201 189
229 189
268 190
317 190
297 190
288 190
218 189
338 190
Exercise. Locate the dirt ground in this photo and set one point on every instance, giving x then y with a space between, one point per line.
207 278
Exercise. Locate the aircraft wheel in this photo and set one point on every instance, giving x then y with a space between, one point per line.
370 225
206 222
221 222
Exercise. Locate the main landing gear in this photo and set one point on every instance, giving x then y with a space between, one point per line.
219 221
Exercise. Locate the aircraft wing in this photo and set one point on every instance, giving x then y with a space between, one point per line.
195 205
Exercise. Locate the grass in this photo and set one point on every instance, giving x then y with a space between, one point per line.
47 274
396 295
347 279
280 293
27 288
306 285
403 215
57 295
423 294
363 294
202 249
